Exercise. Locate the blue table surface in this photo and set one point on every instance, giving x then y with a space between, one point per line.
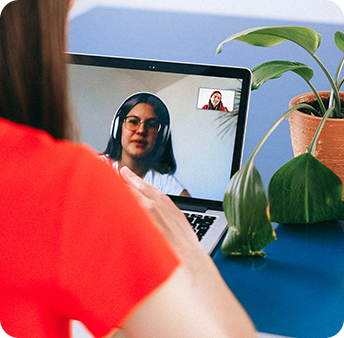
297 290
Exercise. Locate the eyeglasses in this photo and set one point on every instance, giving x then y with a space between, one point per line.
133 123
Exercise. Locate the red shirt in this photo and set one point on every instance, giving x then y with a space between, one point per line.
74 242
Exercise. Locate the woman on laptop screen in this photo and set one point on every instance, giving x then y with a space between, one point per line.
141 140
215 102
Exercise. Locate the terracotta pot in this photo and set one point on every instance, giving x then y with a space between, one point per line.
330 144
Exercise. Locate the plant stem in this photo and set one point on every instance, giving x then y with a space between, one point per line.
336 104
336 79
311 148
321 103
340 83
274 126
339 69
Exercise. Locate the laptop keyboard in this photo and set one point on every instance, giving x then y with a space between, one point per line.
200 223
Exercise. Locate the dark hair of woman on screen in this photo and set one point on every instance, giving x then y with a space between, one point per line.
140 139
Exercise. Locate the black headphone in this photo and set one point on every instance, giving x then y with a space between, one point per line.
117 123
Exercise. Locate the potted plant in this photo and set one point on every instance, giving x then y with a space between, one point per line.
304 190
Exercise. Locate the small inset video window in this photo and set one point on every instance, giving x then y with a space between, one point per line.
216 99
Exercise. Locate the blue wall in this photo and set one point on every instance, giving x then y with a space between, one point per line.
194 38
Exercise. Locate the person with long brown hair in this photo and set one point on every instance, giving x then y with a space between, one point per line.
33 75
70 247
215 102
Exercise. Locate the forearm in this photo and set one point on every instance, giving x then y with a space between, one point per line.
198 280
177 309
210 288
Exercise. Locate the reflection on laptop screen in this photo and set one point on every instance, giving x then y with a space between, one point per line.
207 107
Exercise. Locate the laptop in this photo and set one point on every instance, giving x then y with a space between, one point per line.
207 143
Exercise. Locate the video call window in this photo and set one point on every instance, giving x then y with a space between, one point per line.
216 99
203 140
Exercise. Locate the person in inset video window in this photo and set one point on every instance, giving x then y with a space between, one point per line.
215 102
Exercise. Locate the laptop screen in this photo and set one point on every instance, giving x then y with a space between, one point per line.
207 133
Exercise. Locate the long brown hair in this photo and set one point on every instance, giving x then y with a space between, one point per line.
33 73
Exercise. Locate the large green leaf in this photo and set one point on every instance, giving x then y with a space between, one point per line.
274 69
271 36
245 204
339 40
305 191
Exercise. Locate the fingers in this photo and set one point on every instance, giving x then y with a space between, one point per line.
150 196
130 177
135 181
168 216
143 187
